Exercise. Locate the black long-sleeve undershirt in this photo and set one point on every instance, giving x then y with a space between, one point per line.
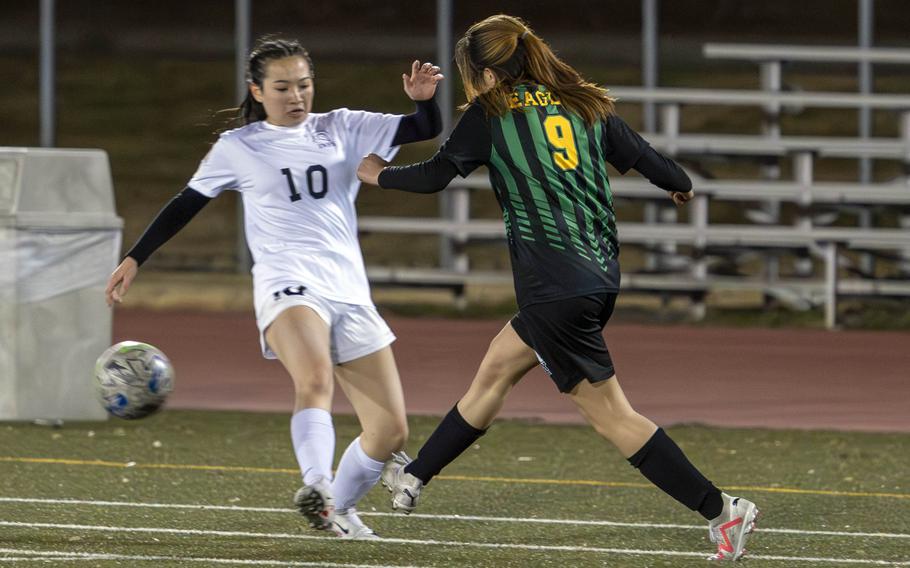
423 124
429 176
662 171
434 175
172 217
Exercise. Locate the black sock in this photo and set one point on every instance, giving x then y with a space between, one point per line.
665 465
453 436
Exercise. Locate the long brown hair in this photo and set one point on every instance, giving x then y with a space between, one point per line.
507 46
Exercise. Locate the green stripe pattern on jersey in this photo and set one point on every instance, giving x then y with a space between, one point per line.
549 172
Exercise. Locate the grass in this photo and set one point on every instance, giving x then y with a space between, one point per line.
234 473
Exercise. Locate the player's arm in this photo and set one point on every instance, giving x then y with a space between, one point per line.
624 149
426 121
423 124
173 217
665 174
467 148
429 176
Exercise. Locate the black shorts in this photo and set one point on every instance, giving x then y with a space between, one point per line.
567 336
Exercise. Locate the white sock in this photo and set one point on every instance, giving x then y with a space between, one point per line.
357 473
313 436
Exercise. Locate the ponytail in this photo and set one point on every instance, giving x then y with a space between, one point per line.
509 48
250 110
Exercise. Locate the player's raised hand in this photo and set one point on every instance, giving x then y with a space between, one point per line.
120 280
680 198
369 169
420 85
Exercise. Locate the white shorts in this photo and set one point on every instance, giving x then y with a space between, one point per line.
354 330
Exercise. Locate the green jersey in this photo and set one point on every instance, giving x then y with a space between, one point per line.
548 169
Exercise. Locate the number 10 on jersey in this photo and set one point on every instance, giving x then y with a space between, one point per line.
311 174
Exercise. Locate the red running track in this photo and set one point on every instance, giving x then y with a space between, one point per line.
847 380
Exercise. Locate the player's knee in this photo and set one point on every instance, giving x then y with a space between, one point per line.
316 382
397 437
384 440
496 373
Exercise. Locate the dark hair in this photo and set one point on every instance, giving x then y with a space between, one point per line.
510 48
267 48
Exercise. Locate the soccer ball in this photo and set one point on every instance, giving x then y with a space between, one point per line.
133 379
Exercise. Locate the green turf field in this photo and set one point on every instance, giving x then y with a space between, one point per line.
214 488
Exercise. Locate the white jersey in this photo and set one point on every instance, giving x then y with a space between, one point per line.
298 186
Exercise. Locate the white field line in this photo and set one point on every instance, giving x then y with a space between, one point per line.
48 556
458 544
443 517
44 559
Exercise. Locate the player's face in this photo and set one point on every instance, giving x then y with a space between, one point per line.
287 91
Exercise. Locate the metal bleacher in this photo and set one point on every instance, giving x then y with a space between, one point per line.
807 236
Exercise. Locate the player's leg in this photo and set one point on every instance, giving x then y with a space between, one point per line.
507 360
576 345
369 378
299 337
647 447
663 463
372 385
605 407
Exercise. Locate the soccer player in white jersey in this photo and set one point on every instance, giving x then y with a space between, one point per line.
296 173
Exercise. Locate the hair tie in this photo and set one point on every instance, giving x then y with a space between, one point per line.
523 35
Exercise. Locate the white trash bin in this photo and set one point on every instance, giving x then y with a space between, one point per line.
59 242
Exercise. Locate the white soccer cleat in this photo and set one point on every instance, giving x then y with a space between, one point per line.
404 487
731 529
315 502
347 524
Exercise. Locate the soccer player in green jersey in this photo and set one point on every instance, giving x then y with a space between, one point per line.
546 135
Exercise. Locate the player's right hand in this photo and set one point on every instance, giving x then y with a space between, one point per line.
369 169
120 280
680 198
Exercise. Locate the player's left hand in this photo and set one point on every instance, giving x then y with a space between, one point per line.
369 169
420 85
680 198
